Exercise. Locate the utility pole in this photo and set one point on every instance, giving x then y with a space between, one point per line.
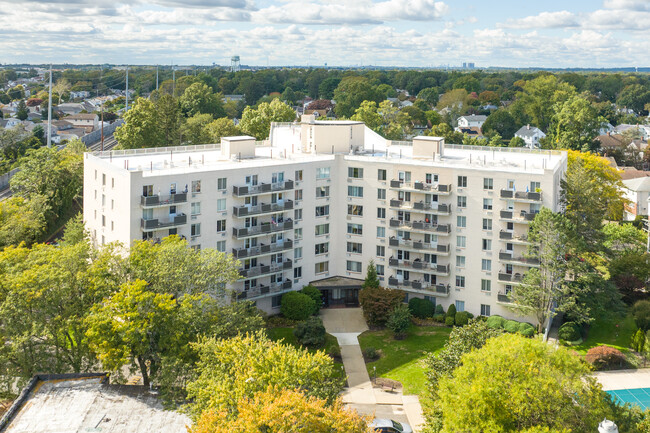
49 113
101 73
173 80
127 91
156 77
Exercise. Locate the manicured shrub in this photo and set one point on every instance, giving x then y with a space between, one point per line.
638 341
440 318
569 332
511 326
315 294
311 332
495 322
641 313
449 321
462 318
451 311
378 304
370 354
440 309
526 329
605 357
399 321
296 306
421 308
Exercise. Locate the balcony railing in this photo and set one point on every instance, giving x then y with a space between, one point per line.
263 188
163 200
155 224
510 236
521 195
510 257
434 188
264 290
419 265
419 245
245 211
421 225
510 278
437 289
260 270
503 298
433 206
262 249
263 228
522 216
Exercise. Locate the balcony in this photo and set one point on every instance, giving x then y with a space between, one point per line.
261 270
417 186
503 298
513 238
163 200
521 217
264 188
246 211
263 290
505 277
156 224
263 249
524 196
422 207
262 229
420 266
434 248
435 289
509 257
439 229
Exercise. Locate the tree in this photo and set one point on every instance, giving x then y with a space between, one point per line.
297 306
399 321
501 122
469 83
454 100
141 127
351 92
283 410
223 127
22 110
445 131
489 97
540 96
75 231
230 370
430 95
575 125
517 142
396 124
257 122
372 279
622 239
22 220
634 97
62 86
198 98
168 120
327 87
367 113
195 129
516 384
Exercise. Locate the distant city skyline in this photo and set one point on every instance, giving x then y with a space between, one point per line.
426 33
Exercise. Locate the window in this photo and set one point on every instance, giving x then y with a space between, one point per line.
485 310
487 244
221 226
322 191
380 269
297 272
321 248
381 232
322 210
195 229
112 225
534 186
276 301
147 214
355 247
486 265
103 220
487 223
461 241
461 221
488 183
112 203
355 191
381 212
460 261
381 251
221 246
460 281
430 178
462 181
221 205
297 214
103 200
461 201
487 204
298 175
356 173
298 194
404 196
404 176
322 229
297 253
103 179
147 191
355 229
322 267
196 208
460 306
297 234
486 285
381 174
381 194
222 183
356 210
323 173
95 174
353 266
196 186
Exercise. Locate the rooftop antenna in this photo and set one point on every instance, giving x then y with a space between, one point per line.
49 113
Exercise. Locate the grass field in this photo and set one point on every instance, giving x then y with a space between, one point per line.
402 360
615 333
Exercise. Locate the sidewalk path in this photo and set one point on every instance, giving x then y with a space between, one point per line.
346 324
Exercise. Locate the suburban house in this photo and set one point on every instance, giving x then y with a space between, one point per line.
637 184
472 131
531 136
235 98
472 121
88 121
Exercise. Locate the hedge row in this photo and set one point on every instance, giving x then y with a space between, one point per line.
511 326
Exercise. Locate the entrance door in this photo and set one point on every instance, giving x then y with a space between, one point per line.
351 297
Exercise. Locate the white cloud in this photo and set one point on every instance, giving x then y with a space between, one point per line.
560 19
631 5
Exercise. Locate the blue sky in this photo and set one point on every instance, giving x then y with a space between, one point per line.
569 33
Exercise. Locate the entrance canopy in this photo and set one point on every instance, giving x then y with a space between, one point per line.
339 291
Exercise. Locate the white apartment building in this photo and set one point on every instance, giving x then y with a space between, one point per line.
320 199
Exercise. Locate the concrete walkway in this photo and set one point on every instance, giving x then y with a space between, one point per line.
624 379
346 324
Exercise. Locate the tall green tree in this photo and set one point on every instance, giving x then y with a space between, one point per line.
634 97
367 113
198 98
257 122
501 122
575 125
195 129
22 111
140 128
351 92
539 97
223 127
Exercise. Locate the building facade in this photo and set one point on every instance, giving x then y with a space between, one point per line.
319 200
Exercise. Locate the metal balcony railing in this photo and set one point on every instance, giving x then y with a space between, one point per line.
503 298
155 224
437 289
522 216
262 249
510 278
419 265
508 256
261 229
260 270
421 225
163 200
245 211
422 186
419 245
262 188
521 195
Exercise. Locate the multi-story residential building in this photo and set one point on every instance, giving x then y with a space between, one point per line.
320 199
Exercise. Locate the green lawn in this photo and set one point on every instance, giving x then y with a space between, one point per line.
402 359
615 333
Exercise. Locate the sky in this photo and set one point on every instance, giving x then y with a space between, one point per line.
424 33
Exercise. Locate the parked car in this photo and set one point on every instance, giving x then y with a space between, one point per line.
385 425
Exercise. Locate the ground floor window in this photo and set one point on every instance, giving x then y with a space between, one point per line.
485 310
275 301
460 306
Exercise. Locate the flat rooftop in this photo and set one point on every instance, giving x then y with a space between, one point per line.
74 403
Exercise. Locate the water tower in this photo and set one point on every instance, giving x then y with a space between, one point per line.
234 64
